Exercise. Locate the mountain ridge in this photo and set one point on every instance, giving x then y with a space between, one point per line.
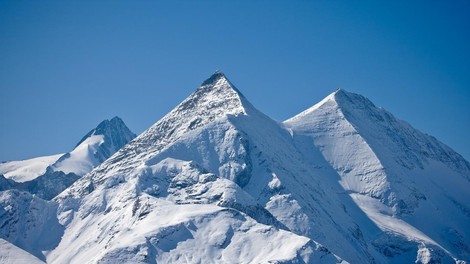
392 170
55 173
215 178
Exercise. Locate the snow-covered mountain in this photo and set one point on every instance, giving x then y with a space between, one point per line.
408 183
217 181
95 147
48 176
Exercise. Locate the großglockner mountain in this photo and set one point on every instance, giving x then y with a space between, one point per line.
217 181
48 176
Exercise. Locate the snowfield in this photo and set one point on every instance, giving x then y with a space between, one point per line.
217 181
27 170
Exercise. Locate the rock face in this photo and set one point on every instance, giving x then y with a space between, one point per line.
217 181
29 223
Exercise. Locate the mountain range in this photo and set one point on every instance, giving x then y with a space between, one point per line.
217 181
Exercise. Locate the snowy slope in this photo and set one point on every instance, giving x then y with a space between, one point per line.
95 147
29 223
10 253
196 163
27 170
217 181
48 176
397 175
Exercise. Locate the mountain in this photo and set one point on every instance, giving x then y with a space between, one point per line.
187 183
407 182
95 147
48 176
217 181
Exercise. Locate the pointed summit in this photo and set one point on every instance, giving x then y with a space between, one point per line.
216 99
217 76
95 147
346 99
114 129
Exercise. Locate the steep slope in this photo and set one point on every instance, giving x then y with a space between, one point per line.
95 147
29 223
27 170
397 175
198 162
217 181
48 176
10 253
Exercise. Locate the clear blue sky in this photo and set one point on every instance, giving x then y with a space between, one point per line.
67 65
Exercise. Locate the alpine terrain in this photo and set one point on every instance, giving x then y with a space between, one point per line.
48 176
217 181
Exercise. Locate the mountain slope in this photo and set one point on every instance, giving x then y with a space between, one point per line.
9 253
27 170
198 154
48 176
397 175
95 147
217 181
28 222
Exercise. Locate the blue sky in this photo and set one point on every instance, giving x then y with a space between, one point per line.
67 65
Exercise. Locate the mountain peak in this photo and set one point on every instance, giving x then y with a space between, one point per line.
114 128
216 96
216 77
214 100
95 147
345 99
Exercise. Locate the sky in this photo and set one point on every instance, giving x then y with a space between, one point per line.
67 65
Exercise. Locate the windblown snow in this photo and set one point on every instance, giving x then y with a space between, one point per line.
217 181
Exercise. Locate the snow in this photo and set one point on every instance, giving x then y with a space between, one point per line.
395 174
217 181
95 147
383 217
48 176
11 254
29 222
199 166
27 170
81 159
